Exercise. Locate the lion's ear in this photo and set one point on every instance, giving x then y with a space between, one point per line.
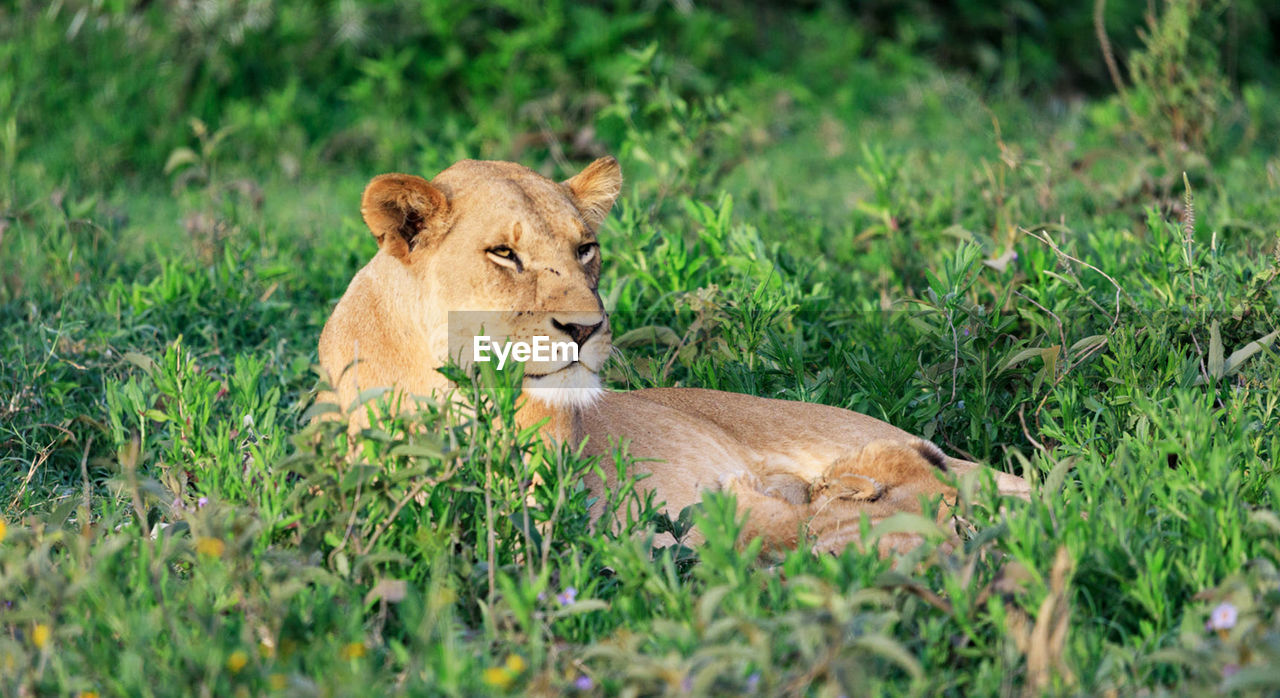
402 210
595 188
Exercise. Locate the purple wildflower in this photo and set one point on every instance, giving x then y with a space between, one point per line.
753 681
568 596
201 502
584 683
1223 617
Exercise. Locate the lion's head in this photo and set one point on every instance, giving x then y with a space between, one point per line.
484 248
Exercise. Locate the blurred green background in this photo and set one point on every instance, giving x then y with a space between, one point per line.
104 91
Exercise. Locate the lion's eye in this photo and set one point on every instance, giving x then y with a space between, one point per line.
505 256
587 252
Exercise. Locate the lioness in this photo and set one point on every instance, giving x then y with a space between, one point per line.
498 237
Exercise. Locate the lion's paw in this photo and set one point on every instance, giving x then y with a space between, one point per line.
844 481
878 467
740 482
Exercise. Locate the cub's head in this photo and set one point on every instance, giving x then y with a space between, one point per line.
493 249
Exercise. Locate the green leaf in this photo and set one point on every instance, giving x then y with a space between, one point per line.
1020 356
890 650
156 415
903 522
320 408
368 395
419 450
1088 343
527 528
142 361
934 283
359 475
1217 365
180 157
1243 354
709 604
1253 677
1047 374
1052 488
60 515
378 435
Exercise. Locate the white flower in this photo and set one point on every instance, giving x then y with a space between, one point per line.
1223 617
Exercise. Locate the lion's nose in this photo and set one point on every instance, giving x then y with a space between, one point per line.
580 333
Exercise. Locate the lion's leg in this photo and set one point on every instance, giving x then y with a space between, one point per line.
884 478
786 486
1006 484
769 514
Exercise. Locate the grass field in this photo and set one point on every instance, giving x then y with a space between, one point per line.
993 245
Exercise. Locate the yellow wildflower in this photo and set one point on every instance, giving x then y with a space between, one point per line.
88 694
211 547
497 677
354 650
236 661
4 528
515 663
40 635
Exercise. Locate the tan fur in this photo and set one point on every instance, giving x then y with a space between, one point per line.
797 469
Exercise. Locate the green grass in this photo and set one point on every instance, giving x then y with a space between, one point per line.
823 214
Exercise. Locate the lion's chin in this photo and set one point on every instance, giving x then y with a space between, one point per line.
572 386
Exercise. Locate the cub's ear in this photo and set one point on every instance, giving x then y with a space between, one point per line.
402 211
595 188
